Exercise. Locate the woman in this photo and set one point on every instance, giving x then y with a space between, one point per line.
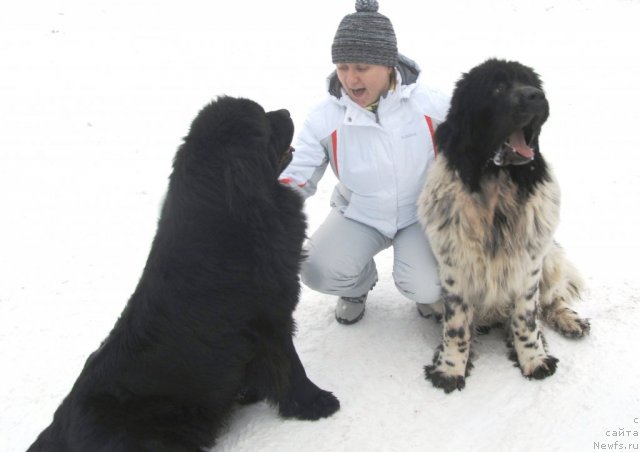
375 129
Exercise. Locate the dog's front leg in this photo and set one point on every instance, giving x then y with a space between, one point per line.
528 341
451 360
301 398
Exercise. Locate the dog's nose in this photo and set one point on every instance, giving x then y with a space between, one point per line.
531 94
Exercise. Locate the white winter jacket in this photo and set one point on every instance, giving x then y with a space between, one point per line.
380 159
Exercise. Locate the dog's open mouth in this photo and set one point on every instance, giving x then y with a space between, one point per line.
516 150
518 143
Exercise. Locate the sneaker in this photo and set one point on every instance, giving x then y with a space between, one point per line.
428 312
350 309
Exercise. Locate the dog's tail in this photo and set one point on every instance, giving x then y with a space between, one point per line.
560 285
560 280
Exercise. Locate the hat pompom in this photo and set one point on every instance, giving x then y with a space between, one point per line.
369 6
365 36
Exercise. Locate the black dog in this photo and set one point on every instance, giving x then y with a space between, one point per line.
210 322
490 207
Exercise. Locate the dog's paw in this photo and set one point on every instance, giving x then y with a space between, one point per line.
323 404
540 369
573 328
439 379
568 323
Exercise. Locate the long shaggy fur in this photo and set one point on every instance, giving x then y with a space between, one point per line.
490 208
210 322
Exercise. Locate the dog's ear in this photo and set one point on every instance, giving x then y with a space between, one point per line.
248 177
453 140
452 135
443 135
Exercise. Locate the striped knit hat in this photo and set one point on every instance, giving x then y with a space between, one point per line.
365 36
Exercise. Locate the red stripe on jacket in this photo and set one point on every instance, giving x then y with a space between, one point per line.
432 132
334 144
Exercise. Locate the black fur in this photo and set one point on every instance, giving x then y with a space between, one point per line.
211 319
469 138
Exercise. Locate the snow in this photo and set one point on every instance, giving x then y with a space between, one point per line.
95 97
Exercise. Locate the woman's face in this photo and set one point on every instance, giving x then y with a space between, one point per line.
364 83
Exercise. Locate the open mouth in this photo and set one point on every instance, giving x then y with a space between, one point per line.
519 141
358 92
516 149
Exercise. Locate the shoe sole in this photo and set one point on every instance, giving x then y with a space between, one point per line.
431 315
349 322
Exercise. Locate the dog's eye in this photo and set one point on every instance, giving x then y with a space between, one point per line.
499 89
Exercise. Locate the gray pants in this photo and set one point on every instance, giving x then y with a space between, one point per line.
340 260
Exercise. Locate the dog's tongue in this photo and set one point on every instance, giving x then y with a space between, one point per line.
517 142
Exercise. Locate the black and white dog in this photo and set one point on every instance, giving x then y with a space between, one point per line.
490 208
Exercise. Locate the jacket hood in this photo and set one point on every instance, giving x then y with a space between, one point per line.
408 69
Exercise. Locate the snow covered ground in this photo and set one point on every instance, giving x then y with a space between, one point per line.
94 99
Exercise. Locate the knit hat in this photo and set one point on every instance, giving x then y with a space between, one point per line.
365 36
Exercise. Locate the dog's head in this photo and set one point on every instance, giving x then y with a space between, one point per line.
497 111
235 131
235 149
